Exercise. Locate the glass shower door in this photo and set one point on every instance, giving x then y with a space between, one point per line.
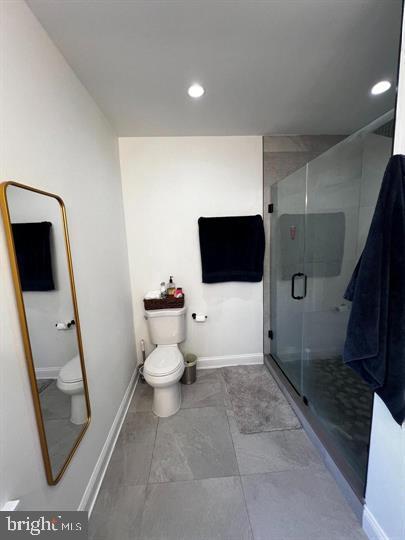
341 191
287 288
322 214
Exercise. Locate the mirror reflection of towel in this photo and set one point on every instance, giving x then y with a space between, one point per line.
232 248
33 250
375 341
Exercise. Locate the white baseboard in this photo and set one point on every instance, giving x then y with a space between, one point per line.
96 478
371 526
207 362
47 372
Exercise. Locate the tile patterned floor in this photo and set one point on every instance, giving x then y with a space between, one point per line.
194 476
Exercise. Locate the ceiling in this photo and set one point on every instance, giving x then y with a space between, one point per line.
269 66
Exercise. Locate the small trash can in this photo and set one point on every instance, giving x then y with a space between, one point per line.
190 369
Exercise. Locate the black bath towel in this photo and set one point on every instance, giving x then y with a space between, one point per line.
232 248
33 249
375 341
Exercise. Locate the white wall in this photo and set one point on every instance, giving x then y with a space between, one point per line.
54 137
385 493
168 183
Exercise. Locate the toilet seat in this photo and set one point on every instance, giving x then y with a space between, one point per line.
163 361
70 382
71 371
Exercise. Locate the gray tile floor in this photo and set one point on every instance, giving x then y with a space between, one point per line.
194 476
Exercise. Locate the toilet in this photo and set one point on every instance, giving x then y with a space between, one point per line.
165 365
70 382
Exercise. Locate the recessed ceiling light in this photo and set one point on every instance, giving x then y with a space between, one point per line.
380 87
196 91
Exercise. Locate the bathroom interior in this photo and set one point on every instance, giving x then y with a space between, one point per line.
186 190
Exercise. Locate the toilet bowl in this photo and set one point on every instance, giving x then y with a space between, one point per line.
163 370
164 367
70 382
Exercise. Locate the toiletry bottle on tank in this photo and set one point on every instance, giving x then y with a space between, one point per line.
171 287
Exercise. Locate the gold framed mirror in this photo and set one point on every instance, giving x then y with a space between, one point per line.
41 264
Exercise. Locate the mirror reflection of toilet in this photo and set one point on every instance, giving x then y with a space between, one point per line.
70 381
164 367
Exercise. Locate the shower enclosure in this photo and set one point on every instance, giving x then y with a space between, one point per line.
319 223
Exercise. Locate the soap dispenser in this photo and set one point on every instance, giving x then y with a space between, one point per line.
171 287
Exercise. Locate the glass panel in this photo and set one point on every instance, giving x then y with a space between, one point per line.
342 190
287 251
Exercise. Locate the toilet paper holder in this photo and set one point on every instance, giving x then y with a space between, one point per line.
65 325
194 316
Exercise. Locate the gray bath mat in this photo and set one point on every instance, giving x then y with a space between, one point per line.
257 401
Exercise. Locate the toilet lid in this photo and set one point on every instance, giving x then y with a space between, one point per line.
163 361
71 371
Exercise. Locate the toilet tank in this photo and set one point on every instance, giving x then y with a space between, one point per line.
166 326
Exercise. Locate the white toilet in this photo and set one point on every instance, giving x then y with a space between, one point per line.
70 381
165 365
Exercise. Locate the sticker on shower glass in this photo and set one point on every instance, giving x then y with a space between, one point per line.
29 524
293 232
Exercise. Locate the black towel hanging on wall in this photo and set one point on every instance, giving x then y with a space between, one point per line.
232 248
375 341
33 249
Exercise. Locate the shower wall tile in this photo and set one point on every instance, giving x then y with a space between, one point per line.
279 165
324 333
331 171
365 217
377 151
352 224
341 195
336 287
291 192
300 143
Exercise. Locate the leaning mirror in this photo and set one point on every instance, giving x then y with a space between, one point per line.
37 236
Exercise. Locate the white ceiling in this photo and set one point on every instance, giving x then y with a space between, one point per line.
269 66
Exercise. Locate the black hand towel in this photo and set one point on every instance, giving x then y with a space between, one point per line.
33 250
232 248
375 341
